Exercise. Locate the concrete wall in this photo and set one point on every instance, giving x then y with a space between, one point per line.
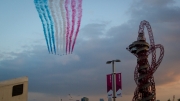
6 89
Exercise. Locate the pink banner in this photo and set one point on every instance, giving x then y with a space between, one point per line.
109 86
118 85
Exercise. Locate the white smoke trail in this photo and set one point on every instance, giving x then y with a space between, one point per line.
64 24
53 10
59 18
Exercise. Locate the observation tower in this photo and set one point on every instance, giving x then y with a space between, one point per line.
143 74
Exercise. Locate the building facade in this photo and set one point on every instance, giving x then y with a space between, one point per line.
14 90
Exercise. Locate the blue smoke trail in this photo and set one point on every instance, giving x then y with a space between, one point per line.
45 17
51 22
43 23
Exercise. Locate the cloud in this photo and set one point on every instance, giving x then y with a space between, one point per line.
158 2
84 72
153 11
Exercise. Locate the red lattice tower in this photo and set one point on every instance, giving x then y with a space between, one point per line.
143 74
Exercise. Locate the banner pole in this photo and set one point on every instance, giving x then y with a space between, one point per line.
114 82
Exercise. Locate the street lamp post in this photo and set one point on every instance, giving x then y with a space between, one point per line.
113 75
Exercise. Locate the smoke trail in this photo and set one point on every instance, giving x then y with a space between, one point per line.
45 17
78 23
67 28
60 26
51 23
38 8
53 10
73 5
56 8
64 24
47 22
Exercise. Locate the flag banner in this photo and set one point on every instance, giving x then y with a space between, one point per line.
118 85
109 86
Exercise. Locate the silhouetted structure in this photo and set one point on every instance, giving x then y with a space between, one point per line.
101 99
84 99
143 74
109 99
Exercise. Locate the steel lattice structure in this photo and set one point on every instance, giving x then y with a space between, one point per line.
143 74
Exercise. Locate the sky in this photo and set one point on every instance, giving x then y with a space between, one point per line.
107 28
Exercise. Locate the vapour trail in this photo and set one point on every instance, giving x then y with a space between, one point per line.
42 17
64 24
47 22
51 24
73 5
78 22
68 24
59 16
53 10
58 37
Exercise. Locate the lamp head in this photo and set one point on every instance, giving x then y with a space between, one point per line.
117 60
108 62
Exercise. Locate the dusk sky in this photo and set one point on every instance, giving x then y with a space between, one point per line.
107 28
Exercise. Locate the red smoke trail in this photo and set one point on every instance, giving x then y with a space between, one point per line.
73 5
78 22
67 28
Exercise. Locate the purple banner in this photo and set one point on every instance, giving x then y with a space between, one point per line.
118 85
109 86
